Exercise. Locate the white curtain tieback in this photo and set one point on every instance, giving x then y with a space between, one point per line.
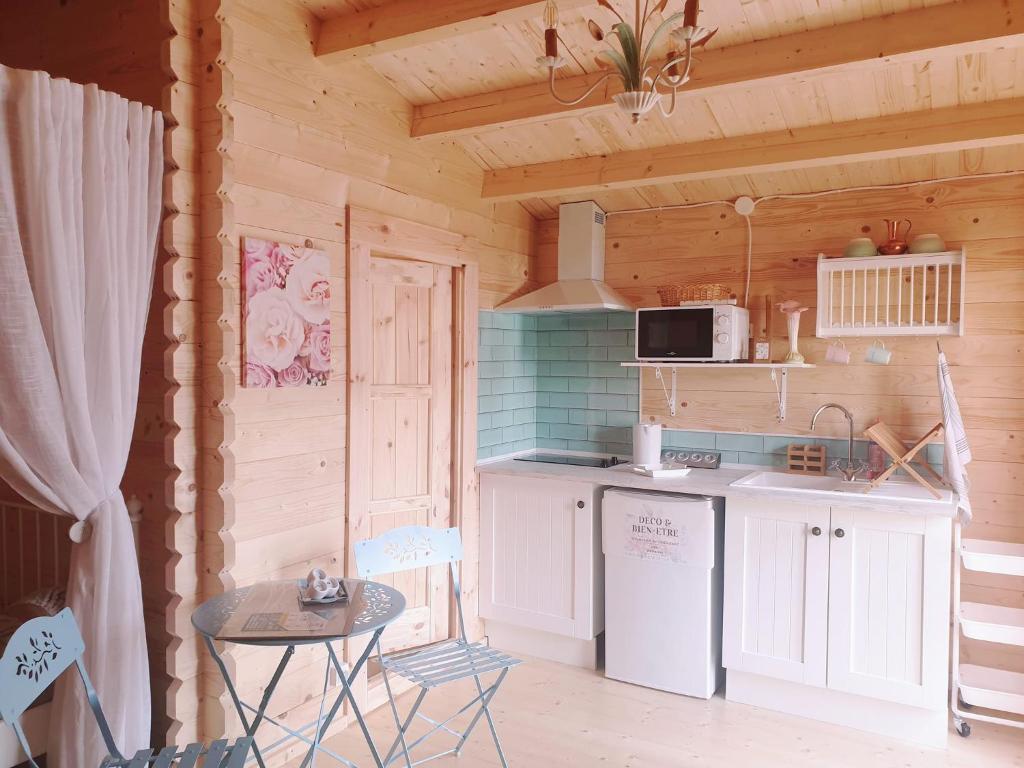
81 530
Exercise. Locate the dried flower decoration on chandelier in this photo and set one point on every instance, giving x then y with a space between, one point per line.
644 82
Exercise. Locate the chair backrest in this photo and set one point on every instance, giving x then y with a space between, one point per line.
39 652
413 546
402 549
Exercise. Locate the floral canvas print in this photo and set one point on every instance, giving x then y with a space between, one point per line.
286 314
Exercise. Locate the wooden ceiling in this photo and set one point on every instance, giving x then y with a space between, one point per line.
791 96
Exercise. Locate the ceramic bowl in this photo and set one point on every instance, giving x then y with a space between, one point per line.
859 247
927 244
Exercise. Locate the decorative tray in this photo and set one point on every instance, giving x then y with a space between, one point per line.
341 597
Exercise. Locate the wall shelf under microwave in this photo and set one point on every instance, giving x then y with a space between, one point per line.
717 366
779 379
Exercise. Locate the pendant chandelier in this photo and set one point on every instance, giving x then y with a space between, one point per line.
644 81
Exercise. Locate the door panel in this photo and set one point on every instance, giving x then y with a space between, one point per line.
409 345
887 635
776 590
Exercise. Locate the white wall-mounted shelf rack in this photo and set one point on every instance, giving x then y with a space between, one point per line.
910 295
778 371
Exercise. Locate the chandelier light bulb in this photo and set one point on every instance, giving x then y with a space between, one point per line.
551 34
551 15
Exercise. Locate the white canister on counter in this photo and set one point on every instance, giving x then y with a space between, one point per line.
647 444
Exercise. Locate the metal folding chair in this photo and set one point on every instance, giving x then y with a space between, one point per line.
40 652
404 549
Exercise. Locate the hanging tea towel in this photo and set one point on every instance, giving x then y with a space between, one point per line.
958 452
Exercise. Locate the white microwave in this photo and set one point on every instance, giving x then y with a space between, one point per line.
698 333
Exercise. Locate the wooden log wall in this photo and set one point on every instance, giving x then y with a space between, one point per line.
121 45
287 143
645 250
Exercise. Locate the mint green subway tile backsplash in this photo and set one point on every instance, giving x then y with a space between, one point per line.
507 397
569 364
554 382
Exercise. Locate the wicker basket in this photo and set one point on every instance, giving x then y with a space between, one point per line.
671 295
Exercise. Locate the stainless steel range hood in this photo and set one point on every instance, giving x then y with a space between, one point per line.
580 286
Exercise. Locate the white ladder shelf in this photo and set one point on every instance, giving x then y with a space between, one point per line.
975 686
920 295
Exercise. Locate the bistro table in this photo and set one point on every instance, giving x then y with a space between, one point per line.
271 614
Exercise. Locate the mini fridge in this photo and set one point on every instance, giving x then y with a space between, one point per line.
663 590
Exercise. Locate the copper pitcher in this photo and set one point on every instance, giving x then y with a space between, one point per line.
897 242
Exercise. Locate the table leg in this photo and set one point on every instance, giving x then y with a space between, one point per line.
346 693
250 729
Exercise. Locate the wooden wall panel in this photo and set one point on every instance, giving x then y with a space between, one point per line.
708 244
286 144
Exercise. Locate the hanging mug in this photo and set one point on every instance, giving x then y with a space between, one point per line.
878 354
836 352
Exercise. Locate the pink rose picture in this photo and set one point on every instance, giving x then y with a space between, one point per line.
286 294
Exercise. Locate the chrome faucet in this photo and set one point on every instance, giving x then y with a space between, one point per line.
851 470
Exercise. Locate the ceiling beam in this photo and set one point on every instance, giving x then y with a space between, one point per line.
406 23
969 126
951 29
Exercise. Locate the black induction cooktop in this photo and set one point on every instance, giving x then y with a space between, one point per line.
577 461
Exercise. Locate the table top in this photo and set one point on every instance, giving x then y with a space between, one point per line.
371 606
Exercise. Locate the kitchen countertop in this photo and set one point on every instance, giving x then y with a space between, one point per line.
717 482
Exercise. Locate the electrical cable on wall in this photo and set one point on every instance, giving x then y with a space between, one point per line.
745 206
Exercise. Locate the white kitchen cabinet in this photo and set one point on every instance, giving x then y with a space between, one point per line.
541 567
888 633
776 588
839 613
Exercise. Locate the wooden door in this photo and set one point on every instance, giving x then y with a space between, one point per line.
888 634
776 590
540 558
401 436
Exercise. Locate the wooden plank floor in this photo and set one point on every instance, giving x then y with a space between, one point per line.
552 715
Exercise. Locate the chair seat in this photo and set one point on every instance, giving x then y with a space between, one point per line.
447 662
220 754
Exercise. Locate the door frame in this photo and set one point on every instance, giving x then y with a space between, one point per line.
372 234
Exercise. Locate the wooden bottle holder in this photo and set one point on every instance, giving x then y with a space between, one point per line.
806 459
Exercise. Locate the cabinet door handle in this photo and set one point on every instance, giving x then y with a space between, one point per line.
581 504
816 531
840 533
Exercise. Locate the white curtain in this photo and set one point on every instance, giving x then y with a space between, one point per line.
80 204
